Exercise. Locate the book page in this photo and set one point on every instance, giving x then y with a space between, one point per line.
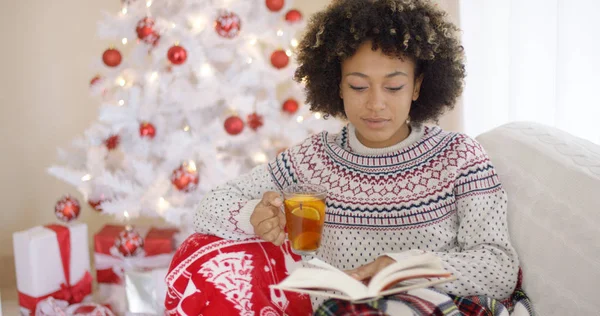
377 287
308 279
426 261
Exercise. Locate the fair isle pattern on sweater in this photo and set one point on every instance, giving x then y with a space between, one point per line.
437 192
412 188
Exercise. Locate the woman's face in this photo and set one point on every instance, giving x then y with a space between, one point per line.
377 91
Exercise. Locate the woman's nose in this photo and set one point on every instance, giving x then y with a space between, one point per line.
375 100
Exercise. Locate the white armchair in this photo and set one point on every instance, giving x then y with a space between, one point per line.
553 184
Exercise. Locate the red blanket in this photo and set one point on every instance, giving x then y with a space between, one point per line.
212 276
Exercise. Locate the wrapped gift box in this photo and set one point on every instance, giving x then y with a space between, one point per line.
159 246
146 290
52 261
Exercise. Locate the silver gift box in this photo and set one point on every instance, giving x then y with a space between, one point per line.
145 290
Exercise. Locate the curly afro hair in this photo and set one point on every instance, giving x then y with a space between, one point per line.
415 29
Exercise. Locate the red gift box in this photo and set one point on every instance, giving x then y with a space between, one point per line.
159 246
157 242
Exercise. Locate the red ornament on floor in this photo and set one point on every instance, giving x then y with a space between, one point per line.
293 16
112 57
147 130
112 142
274 5
255 121
67 208
228 24
234 125
129 243
177 55
145 30
185 178
279 59
290 106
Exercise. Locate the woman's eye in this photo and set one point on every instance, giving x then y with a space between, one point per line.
357 88
395 88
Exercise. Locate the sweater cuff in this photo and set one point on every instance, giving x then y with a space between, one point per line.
243 218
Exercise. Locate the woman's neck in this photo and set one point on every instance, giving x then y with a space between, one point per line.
413 133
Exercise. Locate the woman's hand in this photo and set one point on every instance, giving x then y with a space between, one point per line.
364 273
268 220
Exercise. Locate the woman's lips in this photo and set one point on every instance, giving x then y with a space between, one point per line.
375 123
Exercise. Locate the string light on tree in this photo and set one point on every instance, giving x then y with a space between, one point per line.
112 57
67 208
234 125
228 24
185 178
177 54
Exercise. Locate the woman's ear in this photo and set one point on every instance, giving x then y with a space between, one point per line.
340 88
417 90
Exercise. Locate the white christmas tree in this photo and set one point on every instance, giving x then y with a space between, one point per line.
204 93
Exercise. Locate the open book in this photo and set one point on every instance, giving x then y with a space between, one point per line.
411 273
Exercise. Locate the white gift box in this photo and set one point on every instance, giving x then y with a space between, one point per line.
38 259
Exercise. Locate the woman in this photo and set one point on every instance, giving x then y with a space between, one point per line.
395 187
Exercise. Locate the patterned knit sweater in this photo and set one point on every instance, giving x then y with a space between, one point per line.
435 191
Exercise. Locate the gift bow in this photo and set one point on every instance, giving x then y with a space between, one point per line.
72 293
112 268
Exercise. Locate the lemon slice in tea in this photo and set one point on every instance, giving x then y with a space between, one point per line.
307 241
307 212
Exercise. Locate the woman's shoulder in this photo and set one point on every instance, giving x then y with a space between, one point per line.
459 142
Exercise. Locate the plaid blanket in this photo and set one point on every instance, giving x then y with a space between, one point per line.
432 302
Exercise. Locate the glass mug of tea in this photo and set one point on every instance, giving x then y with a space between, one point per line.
304 215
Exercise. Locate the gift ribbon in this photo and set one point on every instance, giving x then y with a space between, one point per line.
72 293
109 269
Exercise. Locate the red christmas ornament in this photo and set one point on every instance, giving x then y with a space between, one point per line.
147 130
111 57
228 24
95 80
293 16
274 5
290 106
177 55
67 208
255 121
185 178
279 59
129 243
145 30
234 125
112 142
96 204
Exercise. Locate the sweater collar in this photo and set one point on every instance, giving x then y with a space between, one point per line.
355 146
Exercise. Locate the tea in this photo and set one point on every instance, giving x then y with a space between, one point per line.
304 217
